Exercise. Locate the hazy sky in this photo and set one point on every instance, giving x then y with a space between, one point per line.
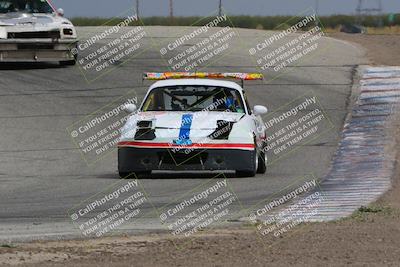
110 8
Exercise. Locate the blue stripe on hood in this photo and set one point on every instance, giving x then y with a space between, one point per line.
184 133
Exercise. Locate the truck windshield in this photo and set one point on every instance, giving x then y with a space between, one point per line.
194 98
26 6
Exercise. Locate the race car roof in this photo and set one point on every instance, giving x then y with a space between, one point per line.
200 82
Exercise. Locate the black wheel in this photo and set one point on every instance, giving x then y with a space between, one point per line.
251 172
126 175
262 163
68 63
131 175
143 174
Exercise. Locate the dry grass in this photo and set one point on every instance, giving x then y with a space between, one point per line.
371 30
384 30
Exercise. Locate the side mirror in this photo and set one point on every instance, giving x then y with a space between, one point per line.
260 110
130 108
60 12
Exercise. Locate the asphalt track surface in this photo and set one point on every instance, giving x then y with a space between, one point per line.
42 173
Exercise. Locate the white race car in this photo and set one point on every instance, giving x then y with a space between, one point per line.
190 122
33 31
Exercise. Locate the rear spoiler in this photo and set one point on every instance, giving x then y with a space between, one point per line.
158 76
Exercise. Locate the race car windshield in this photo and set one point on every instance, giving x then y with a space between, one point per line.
194 98
27 6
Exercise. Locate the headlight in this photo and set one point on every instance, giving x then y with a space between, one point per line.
69 32
3 33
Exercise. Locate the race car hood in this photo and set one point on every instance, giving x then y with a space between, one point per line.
18 18
199 121
168 124
26 22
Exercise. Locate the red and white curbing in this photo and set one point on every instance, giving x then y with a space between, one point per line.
363 165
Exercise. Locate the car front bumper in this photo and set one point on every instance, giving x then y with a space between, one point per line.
36 50
146 159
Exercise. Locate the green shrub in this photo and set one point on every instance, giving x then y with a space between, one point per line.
251 22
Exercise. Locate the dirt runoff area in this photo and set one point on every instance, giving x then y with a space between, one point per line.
371 237
382 49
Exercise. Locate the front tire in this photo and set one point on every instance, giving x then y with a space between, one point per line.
68 63
133 175
262 163
125 175
251 172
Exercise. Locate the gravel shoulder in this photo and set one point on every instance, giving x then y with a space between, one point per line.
369 238
381 49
